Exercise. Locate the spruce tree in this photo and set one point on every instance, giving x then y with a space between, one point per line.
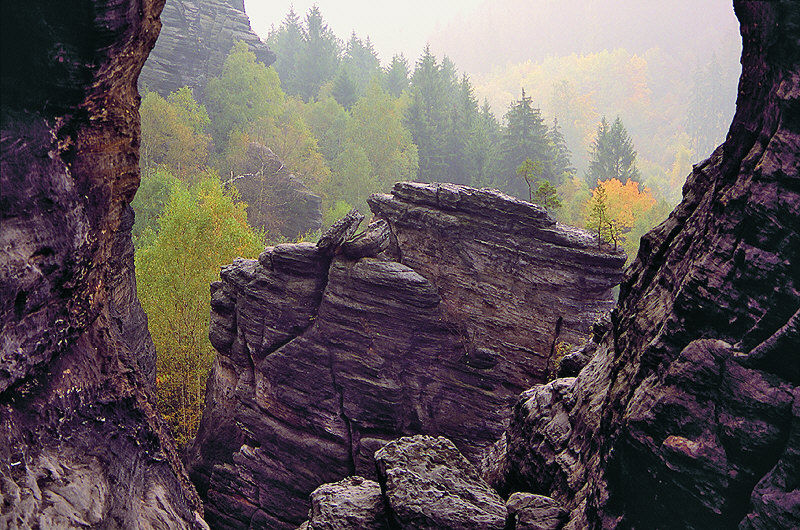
395 79
561 155
288 44
612 154
524 136
319 61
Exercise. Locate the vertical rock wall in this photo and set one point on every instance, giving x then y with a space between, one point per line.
195 40
432 321
81 442
687 416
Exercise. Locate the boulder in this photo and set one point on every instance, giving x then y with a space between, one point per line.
277 201
354 503
535 512
429 485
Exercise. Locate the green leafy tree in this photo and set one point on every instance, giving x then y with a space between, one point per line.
291 139
246 92
612 155
598 216
377 126
328 122
540 191
173 133
149 202
201 229
351 182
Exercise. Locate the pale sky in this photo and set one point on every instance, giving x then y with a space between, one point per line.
393 27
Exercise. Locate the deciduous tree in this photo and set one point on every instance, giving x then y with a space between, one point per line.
200 230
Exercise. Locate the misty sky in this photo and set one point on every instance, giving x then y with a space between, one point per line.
394 27
478 34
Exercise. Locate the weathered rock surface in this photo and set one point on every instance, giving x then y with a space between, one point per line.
326 353
425 484
429 485
686 415
354 503
82 444
277 201
535 512
195 39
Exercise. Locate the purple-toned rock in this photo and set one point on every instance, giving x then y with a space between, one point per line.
82 444
429 485
686 415
327 352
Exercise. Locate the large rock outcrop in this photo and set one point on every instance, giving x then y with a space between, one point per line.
430 321
277 201
196 37
82 444
688 414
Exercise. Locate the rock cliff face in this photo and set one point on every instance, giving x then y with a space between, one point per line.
431 321
81 443
688 415
277 201
196 37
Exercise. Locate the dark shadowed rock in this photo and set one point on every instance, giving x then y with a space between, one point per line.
327 352
686 415
195 39
535 512
354 503
277 201
340 231
82 444
429 485
368 244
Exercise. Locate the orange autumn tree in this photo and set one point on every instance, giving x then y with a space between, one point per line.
614 210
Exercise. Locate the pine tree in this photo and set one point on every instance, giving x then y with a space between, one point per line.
561 155
321 55
428 117
288 44
344 89
361 63
395 79
612 154
524 136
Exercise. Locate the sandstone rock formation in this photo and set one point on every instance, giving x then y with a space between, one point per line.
277 201
688 414
196 37
81 444
431 321
429 485
426 484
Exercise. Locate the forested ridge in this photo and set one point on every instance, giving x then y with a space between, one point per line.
346 127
